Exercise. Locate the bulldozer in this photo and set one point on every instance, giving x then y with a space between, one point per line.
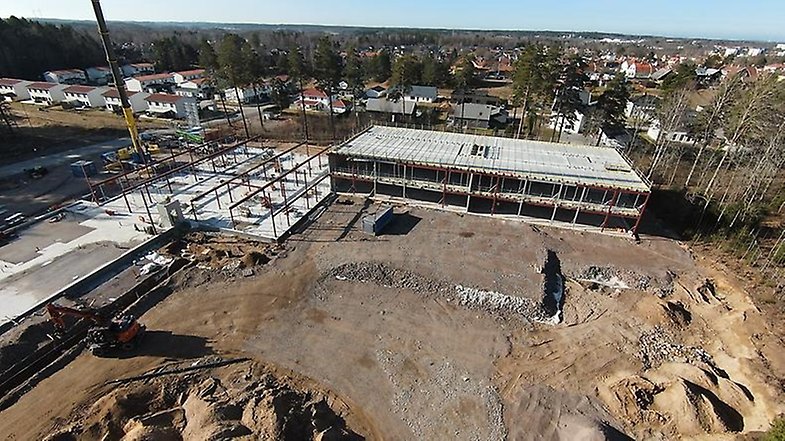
104 335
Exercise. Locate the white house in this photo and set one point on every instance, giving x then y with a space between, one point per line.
167 105
197 88
46 93
143 82
315 99
85 96
65 76
100 75
187 75
680 135
421 94
245 94
637 70
555 123
135 69
137 99
14 90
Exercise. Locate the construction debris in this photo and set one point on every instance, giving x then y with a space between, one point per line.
657 347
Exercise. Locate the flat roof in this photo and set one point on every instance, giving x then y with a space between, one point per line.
536 160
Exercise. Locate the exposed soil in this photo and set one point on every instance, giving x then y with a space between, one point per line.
438 330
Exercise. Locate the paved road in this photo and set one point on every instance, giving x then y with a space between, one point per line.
64 157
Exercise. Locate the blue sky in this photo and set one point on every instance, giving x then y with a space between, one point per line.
751 19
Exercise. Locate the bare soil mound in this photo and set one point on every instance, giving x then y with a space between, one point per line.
246 402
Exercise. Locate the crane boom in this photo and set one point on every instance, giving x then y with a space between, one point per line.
128 112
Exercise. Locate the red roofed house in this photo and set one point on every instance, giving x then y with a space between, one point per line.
142 83
13 89
187 75
315 99
137 99
637 70
166 104
46 93
65 76
85 96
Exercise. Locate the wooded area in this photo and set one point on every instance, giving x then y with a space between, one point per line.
30 48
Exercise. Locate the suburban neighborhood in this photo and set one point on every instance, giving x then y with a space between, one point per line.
476 229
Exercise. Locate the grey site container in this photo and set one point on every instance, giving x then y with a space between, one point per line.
375 223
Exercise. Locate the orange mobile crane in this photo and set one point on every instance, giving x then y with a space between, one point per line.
122 332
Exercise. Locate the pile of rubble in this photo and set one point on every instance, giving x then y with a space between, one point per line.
657 347
389 277
502 304
220 251
623 279
497 304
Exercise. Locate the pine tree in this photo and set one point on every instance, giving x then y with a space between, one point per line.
328 70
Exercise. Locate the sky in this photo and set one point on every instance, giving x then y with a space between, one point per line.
731 19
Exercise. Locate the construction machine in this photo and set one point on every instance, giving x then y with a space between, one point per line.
104 334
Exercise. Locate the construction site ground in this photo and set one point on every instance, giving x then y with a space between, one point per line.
437 329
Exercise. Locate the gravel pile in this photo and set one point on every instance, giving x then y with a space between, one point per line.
503 304
491 302
387 276
657 347
624 279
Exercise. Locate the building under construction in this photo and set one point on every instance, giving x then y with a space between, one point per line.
557 183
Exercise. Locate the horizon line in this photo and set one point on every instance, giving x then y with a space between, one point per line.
615 33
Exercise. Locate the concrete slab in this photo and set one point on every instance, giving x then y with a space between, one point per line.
253 217
66 252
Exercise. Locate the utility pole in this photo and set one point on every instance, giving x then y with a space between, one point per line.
128 112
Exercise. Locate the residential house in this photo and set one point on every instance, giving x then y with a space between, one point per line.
46 93
65 76
574 127
422 94
245 94
137 100
84 96
642 106
376 92
708 76
661 74
636 70
187 75
100 75
167 105
483 116
401 109
14 90
198 88
678 134
315 99
150 83
136 69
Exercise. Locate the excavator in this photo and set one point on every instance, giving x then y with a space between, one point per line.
105 334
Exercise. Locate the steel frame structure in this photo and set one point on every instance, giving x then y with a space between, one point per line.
281 179
131 178
346 171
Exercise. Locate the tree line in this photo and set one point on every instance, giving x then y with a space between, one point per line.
30 48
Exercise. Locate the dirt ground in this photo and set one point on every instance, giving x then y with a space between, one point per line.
438 329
